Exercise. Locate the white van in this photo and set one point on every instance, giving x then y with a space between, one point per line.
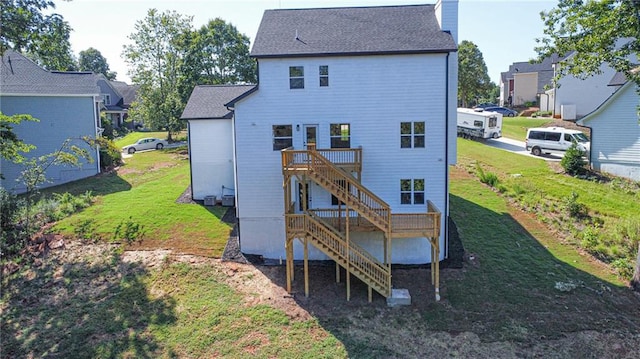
555 139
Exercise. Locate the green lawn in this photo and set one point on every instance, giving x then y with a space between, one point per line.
516 127
145 191
96 305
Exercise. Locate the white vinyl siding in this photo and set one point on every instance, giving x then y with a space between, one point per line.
362 89
615 142
211 155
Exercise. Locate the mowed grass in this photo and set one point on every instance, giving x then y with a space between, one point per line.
516 127
144 191
535 178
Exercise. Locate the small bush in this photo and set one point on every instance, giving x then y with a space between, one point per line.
129 231
488 178
573 161
590 238
85 229
574 208
110 155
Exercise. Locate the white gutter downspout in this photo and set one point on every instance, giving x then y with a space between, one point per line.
96 114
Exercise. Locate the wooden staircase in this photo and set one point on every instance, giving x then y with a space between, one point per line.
331 169
348 255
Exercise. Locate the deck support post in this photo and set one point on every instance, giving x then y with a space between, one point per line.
337 272
370 294
348 274
306 267
437 271
289 264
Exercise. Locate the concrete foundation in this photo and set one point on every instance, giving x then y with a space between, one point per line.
399 297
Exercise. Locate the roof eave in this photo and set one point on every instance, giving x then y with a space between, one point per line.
356 53
249 92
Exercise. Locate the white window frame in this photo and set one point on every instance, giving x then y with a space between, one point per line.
277 139
411 137
323 76
412 191
295 78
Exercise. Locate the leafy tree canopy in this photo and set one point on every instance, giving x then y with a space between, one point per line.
12 148
92 60
594 32
156 56
473 78
44 38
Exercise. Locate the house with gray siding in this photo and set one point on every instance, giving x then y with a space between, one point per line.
615 131
66 106
342 150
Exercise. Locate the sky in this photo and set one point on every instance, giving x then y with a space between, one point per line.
504 30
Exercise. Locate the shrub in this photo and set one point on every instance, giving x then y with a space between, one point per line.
85 229
575 209
573 161
129 231
488 178
110 155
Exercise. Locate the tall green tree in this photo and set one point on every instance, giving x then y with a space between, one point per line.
217 53
28 28
473 77
155 58
596 32
223 54
92 60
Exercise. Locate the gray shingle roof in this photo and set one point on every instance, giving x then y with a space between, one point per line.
208 101
351 31
618 79
129 92
19 75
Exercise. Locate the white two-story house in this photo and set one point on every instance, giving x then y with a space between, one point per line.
342 150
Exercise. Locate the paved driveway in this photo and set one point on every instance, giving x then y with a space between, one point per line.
515 146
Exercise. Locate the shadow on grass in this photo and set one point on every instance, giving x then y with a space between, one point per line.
511 289
87 307
99 185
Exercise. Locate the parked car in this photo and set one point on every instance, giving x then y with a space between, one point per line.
145 144
485 105
502 110
555 140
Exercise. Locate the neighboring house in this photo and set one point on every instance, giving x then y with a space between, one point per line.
615 131
118 111
66 105
525 81
211 139
346 142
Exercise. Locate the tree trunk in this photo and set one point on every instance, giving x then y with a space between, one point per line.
635 281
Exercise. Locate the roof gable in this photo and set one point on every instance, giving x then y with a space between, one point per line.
19 75
351 31
209 101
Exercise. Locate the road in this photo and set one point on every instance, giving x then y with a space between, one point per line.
515 146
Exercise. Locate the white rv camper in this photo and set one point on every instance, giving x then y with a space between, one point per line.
479 124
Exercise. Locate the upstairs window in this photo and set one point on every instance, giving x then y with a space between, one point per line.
340 134
412 191
296 77
412 134
282 137
324 75
106 98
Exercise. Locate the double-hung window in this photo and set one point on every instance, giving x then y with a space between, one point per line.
296 77
282 137
412 134
324 75
412 191
340 134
